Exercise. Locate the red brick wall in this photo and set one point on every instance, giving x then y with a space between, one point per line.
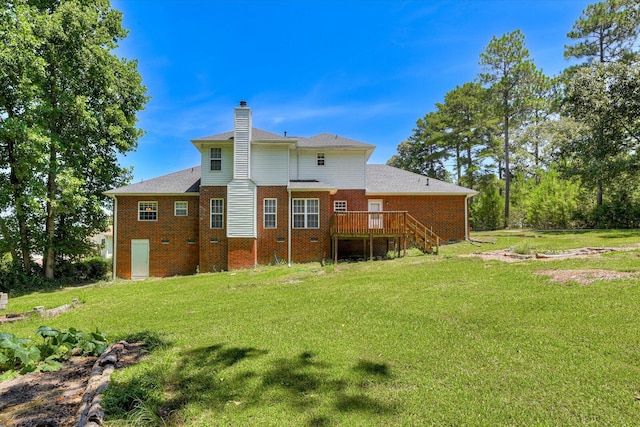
213 241
212 250
272 242
242 253
444 213
177 256
308 245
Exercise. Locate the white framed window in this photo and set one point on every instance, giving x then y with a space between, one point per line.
339 205
147 211
270 213
306 213
181 208
217 213
320 159
215 158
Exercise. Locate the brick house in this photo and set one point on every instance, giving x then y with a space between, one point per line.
260 198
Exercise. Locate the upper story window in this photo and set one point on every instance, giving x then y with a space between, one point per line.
215 156
339 205
217 213
270 208
147 211
306 213
181 208
320 159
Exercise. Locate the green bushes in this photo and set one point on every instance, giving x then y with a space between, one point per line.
14 281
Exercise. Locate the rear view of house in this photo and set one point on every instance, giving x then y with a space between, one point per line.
261 198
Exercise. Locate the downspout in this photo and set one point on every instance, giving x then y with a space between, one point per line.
466 217
289 231
115 236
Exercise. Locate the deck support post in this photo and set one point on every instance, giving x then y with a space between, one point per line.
335 249
370 247
405 245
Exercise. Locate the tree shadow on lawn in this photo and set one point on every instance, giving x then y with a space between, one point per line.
204 378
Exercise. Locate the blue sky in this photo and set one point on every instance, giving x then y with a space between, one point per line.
362 69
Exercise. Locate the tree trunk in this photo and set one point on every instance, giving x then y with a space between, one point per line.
49 255
469 169
599 195
507 173
17 186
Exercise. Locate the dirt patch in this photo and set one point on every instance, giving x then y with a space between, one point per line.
585 277
52 399
507 255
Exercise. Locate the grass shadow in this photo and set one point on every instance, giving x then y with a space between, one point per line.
218 377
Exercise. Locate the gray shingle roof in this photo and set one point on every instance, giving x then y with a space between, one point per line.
183 182
331 140
256 135
384 179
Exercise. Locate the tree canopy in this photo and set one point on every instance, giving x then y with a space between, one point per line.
68 107
564 138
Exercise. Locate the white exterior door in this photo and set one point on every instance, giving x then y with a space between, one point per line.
375 220
139 258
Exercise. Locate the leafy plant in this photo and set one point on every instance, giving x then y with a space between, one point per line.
23 355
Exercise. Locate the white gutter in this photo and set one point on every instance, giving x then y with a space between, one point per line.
289 231
115 236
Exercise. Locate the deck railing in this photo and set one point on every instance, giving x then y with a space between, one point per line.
389 223
368 222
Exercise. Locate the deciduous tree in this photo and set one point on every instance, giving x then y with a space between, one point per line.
65 123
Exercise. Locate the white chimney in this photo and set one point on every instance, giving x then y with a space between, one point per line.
242 142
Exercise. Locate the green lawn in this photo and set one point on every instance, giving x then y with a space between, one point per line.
422 340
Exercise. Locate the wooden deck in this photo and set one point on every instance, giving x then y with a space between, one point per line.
390 224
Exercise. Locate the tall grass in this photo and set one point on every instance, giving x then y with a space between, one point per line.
421 340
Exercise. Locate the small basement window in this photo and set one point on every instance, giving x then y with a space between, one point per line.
339 205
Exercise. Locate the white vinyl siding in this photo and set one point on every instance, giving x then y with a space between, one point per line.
241 209
270 213
181 208
269 165
343 169
217 213
147 211
306 213
241 144
221 177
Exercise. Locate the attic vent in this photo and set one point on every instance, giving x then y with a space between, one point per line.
243 103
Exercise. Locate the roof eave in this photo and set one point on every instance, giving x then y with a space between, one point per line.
415 193
118 194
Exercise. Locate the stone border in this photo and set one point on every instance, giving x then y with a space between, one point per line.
90 413
40 310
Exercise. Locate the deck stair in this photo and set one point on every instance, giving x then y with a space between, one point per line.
366 224
424 238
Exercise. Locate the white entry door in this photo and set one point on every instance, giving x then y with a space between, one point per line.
139 258
375 220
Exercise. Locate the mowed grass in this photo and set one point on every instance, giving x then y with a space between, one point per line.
422 340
